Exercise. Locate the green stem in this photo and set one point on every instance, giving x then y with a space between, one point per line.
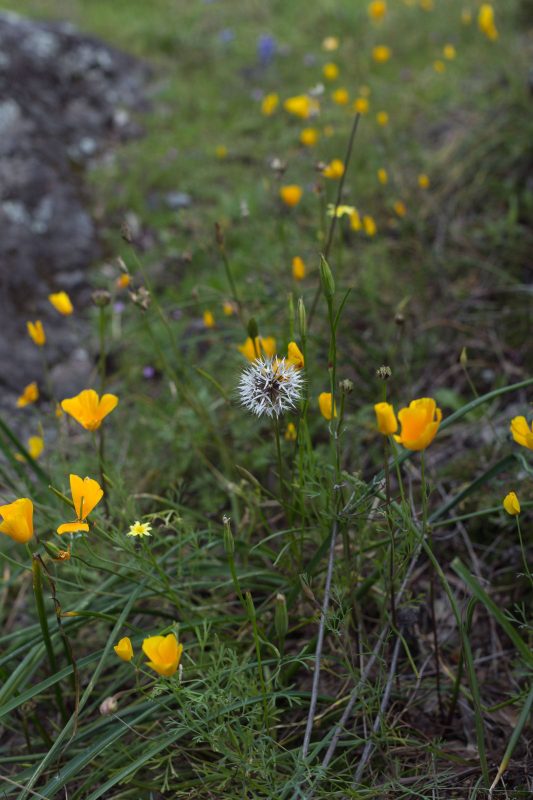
101 335
523 551
429 534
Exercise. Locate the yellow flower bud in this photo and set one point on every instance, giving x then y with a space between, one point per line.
386 418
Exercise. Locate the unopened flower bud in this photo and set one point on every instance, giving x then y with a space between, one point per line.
384 373
281 618
108 706
346 386
250 605
101 298
463 358
229 541
326 278
302 319
125 232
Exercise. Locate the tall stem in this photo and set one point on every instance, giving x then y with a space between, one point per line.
429 534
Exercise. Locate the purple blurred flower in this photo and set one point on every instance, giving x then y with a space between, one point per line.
227 35
118 307
266 49
148 372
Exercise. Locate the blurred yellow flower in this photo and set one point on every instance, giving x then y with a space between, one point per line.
164 653
341 97
355 220
123 281
330 71
269 104
36 332
485 21
34 446
295 356
382 118
139 529
334 170
426 5
386 418
439 66
383 176
228 308
325 403
302 106
221 151
423 181
123 649
17 520
330 43
522 433
86 494
361 105
339 211
62 303
400 208
377 9
309 137
209 320
290 432
291 194
329 130
298 268
29 395
369 225
420 423
449 52
511 504
89 409
263 346
381 53
466 16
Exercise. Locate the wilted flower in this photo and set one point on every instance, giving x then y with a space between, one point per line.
140 529
522 433
369 225
382 118
270 386
327 408
485 21
62 303
164 653
330 71
36 332
123 649
291 194
383 176
309 137
381 53
298 268
334 170
423 181
29 395
262 345
386 419
295 357
291 433
377 9
17 520
269 104
302 106
361 105
511 504
86 494
420 423
341 97
89 409
209 320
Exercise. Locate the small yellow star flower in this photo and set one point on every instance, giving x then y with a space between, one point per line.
140 529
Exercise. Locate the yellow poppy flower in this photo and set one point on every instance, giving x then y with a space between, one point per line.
86 494
330 71
511 504
381 53
377 10
386 418
36 332
383 176
423 181
361 105
29 395
298 268
291 194
263 346
334 170
420 423
485 21
17 520
209 320
295 356
291 433
34 446
309 137
62 303
89 409
325 403
164 653
341 97
269 104
123 649
382 118
522 433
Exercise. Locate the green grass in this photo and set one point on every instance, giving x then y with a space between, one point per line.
181 454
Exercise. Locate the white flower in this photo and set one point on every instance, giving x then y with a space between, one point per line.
140 529
270 386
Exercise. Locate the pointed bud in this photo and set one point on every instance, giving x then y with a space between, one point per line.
326 279
229 541
302 319
281 618
463 358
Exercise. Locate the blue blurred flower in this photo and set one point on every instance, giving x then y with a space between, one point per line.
266 49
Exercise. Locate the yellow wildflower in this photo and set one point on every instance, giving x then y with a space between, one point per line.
439 66
309 137
330 43
36 332
511 504
34 446
29 395
339 211
382 118
325 403
302 106
369 225
298 268
449 52
228 308
355 220
377 9
485 21
330 71
334 170
420 423
263 346
386 418
123 649
522 432
295 356
291 432
400 208
466 16
383 176
86 494
140 529
164 653
381 53
89 409
423 181
17 520
341 97
209 320
269 104
291 194
361 105
62 303
221 151
426 5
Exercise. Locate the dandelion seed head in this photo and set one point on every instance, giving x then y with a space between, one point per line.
270 386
